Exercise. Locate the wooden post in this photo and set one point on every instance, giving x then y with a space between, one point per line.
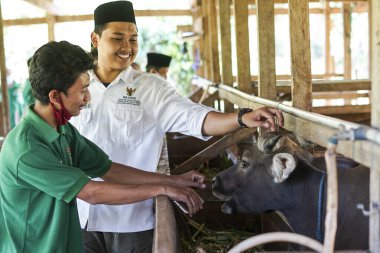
213 41
328 64
4 86
50 22
347 40
266 49
375 122
206 43
224 32
300 54
242 45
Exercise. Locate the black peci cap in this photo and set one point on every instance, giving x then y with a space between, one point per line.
158 60
117 11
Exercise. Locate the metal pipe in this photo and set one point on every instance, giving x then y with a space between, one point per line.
359 131
277 237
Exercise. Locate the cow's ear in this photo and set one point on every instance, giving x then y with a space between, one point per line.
283 164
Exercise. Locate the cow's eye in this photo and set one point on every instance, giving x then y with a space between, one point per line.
244 164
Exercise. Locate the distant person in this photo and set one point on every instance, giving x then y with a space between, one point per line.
136 66
14 100
27 91
129 113
45 164
158 64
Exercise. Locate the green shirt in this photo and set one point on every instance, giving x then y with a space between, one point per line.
41 172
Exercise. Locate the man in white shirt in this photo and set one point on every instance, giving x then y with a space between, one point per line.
127 117
158 64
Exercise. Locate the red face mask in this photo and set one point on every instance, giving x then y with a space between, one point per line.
61 116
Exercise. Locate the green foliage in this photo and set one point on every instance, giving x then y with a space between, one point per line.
164 39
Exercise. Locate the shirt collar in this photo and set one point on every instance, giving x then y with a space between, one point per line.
125 75
46 131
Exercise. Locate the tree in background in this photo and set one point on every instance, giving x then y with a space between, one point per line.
167 42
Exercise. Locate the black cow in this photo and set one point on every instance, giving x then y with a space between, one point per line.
277 174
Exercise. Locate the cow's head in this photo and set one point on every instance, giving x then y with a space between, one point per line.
255 183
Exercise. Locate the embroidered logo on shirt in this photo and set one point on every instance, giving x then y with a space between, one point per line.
130 91
129 99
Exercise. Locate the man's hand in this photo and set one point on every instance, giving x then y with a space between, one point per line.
191 179
187 195
263 117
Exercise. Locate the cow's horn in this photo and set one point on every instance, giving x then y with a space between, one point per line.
267 146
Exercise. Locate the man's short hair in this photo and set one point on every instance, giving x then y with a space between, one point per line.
56 66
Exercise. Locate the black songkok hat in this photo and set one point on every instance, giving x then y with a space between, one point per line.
158 60
117 11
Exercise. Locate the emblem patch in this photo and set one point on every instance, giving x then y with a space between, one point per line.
129 99
130 91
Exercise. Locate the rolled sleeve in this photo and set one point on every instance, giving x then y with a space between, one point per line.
176 113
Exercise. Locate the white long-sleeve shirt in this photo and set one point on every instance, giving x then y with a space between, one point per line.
128 120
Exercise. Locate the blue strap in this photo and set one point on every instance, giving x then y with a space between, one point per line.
320 205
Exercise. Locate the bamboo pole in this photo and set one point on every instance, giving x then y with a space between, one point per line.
331 220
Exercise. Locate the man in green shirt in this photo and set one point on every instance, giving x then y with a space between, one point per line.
45 164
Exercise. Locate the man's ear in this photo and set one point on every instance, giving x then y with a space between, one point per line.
53 97
153 71
94 39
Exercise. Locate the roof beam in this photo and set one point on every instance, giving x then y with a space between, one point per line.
46 5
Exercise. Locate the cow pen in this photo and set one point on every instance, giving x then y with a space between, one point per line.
311 126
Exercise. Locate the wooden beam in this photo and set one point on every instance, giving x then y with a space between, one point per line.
355 9
344 109
266 49
347 40
242 45
209 101
213 41
46 5
153 13
184 28
312 1
300 54
51 23
374 243
339 94
4 86
341 85
326 85
213 150
359 151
